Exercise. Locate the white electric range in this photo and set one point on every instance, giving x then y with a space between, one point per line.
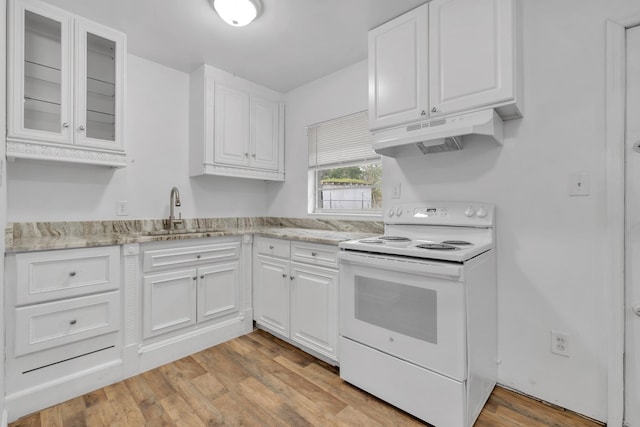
418 311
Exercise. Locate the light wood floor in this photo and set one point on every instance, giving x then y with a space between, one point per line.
258 380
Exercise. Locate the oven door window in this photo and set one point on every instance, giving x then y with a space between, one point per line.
407 310
419 318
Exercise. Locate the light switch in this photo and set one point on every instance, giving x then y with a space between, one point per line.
579 184
396 191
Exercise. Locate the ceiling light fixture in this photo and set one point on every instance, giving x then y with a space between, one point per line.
237 13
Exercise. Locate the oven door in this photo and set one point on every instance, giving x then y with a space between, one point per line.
411 309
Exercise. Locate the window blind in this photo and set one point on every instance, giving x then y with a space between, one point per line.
342 141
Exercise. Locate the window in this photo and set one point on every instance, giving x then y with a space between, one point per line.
345 174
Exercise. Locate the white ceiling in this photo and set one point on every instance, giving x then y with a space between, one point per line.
293 42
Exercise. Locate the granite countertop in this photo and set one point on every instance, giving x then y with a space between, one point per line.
33 236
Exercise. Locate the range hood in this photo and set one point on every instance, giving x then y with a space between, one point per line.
439 134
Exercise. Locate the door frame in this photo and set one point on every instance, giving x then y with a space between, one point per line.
614 289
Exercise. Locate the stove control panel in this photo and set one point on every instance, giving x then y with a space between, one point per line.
442 213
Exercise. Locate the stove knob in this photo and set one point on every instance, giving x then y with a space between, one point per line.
469 212
481 212
391 212
398 212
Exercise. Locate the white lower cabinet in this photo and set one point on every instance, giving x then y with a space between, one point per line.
63 325
295 288
193 296
196 283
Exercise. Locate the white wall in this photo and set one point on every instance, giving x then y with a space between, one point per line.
157 137
550 246
336 95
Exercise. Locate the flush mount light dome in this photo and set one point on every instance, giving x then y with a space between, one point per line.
237 13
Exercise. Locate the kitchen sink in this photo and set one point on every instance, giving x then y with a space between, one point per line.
182 232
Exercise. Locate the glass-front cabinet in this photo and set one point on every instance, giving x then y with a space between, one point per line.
66 87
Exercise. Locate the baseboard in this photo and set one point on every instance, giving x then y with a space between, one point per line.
54 392
5 419
162 352
552 405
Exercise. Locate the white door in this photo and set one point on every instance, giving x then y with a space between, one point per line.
314 308
265 133
169 301
398 70
470 54
218 290
231 128
632 233
271 294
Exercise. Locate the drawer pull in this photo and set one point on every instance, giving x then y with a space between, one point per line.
284 274
198 256
73 322
291 277
202 276
314 253
72 274
195 277
271 246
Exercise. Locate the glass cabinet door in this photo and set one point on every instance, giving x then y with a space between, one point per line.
99 88
41 101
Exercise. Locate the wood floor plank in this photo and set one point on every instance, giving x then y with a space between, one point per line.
72 412
260 380
120 393
150 407
180 411
51 417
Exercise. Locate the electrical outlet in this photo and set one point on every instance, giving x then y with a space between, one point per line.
560 343
579 184
122 208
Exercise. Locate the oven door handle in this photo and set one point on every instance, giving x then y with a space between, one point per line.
408 265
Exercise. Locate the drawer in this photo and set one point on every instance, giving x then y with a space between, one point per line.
273 247
43 326
313 253
52 275
190 255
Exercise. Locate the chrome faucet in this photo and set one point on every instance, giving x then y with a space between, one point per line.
174 200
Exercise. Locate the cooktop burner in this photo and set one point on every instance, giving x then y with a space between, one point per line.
457 243
394 239
438 246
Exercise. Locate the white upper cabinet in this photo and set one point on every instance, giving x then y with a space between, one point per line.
237 127
398 71
66 87
465 52
472 55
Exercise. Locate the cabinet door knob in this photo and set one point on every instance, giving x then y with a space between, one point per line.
424 113
202 276
198 256
81 127
65 125
434 110
314 253
73 322
246 154
291 277
72 274
284 274
195 277
271 246
253 155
